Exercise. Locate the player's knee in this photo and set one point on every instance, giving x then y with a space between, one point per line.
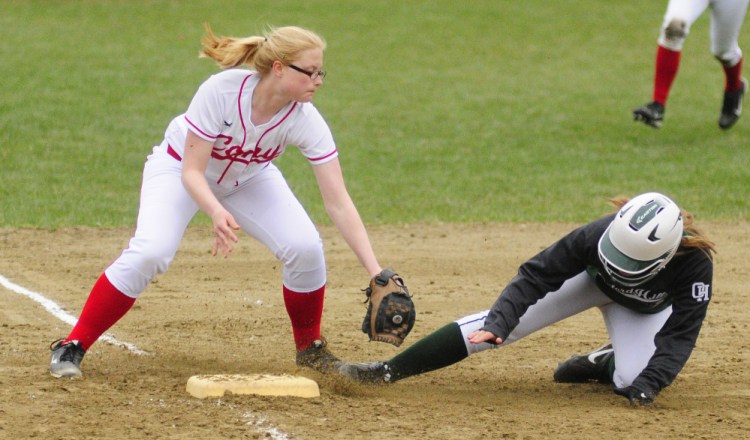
304 266
303 255
150 254
676 30
727 58
674 34
155 261
132 271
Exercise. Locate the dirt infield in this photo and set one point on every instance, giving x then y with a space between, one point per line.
209 315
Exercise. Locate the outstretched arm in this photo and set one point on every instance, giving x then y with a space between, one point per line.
344 214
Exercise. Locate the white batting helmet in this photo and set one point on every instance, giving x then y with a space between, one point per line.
641 239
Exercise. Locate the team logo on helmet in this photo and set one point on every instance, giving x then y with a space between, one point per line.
641 239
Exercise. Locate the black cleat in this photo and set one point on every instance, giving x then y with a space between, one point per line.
650 114
366 372
66 358
731 108
587 367
318 357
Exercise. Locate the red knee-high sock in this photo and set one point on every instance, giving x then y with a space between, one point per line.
104 307
733 76
667 63
305 311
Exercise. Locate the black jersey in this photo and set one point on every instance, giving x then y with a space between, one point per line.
685 284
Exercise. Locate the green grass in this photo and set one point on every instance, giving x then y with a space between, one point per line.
443 111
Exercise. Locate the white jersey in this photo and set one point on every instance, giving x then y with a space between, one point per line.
220 112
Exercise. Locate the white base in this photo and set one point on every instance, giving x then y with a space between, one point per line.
261 384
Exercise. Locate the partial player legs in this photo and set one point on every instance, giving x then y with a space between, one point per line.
596 365
620 362
665 71
104 307
667 64
66 357
727 18
632 336
305 312
267 210
575 296
449 344
651 114
731 107
164 213
678 19
441 348
318 357
734 92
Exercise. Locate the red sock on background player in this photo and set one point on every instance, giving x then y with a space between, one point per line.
733 76
667 64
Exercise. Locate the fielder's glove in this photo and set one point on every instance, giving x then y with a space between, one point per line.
636 396
390 312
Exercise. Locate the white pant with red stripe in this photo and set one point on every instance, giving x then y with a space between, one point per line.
264 207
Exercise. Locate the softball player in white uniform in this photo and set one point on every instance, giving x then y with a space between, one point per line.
647 271
217 157
727 17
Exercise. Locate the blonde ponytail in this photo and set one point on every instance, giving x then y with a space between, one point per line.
229 52
259 52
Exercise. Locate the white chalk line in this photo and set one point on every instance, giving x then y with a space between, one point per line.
55 310
255 420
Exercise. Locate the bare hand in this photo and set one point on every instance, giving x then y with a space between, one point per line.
224 236
480 336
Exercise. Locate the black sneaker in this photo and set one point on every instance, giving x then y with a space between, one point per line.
650 114
731 108
367 372
594 366
318 357
66 358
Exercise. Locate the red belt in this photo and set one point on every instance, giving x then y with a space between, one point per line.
173 153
